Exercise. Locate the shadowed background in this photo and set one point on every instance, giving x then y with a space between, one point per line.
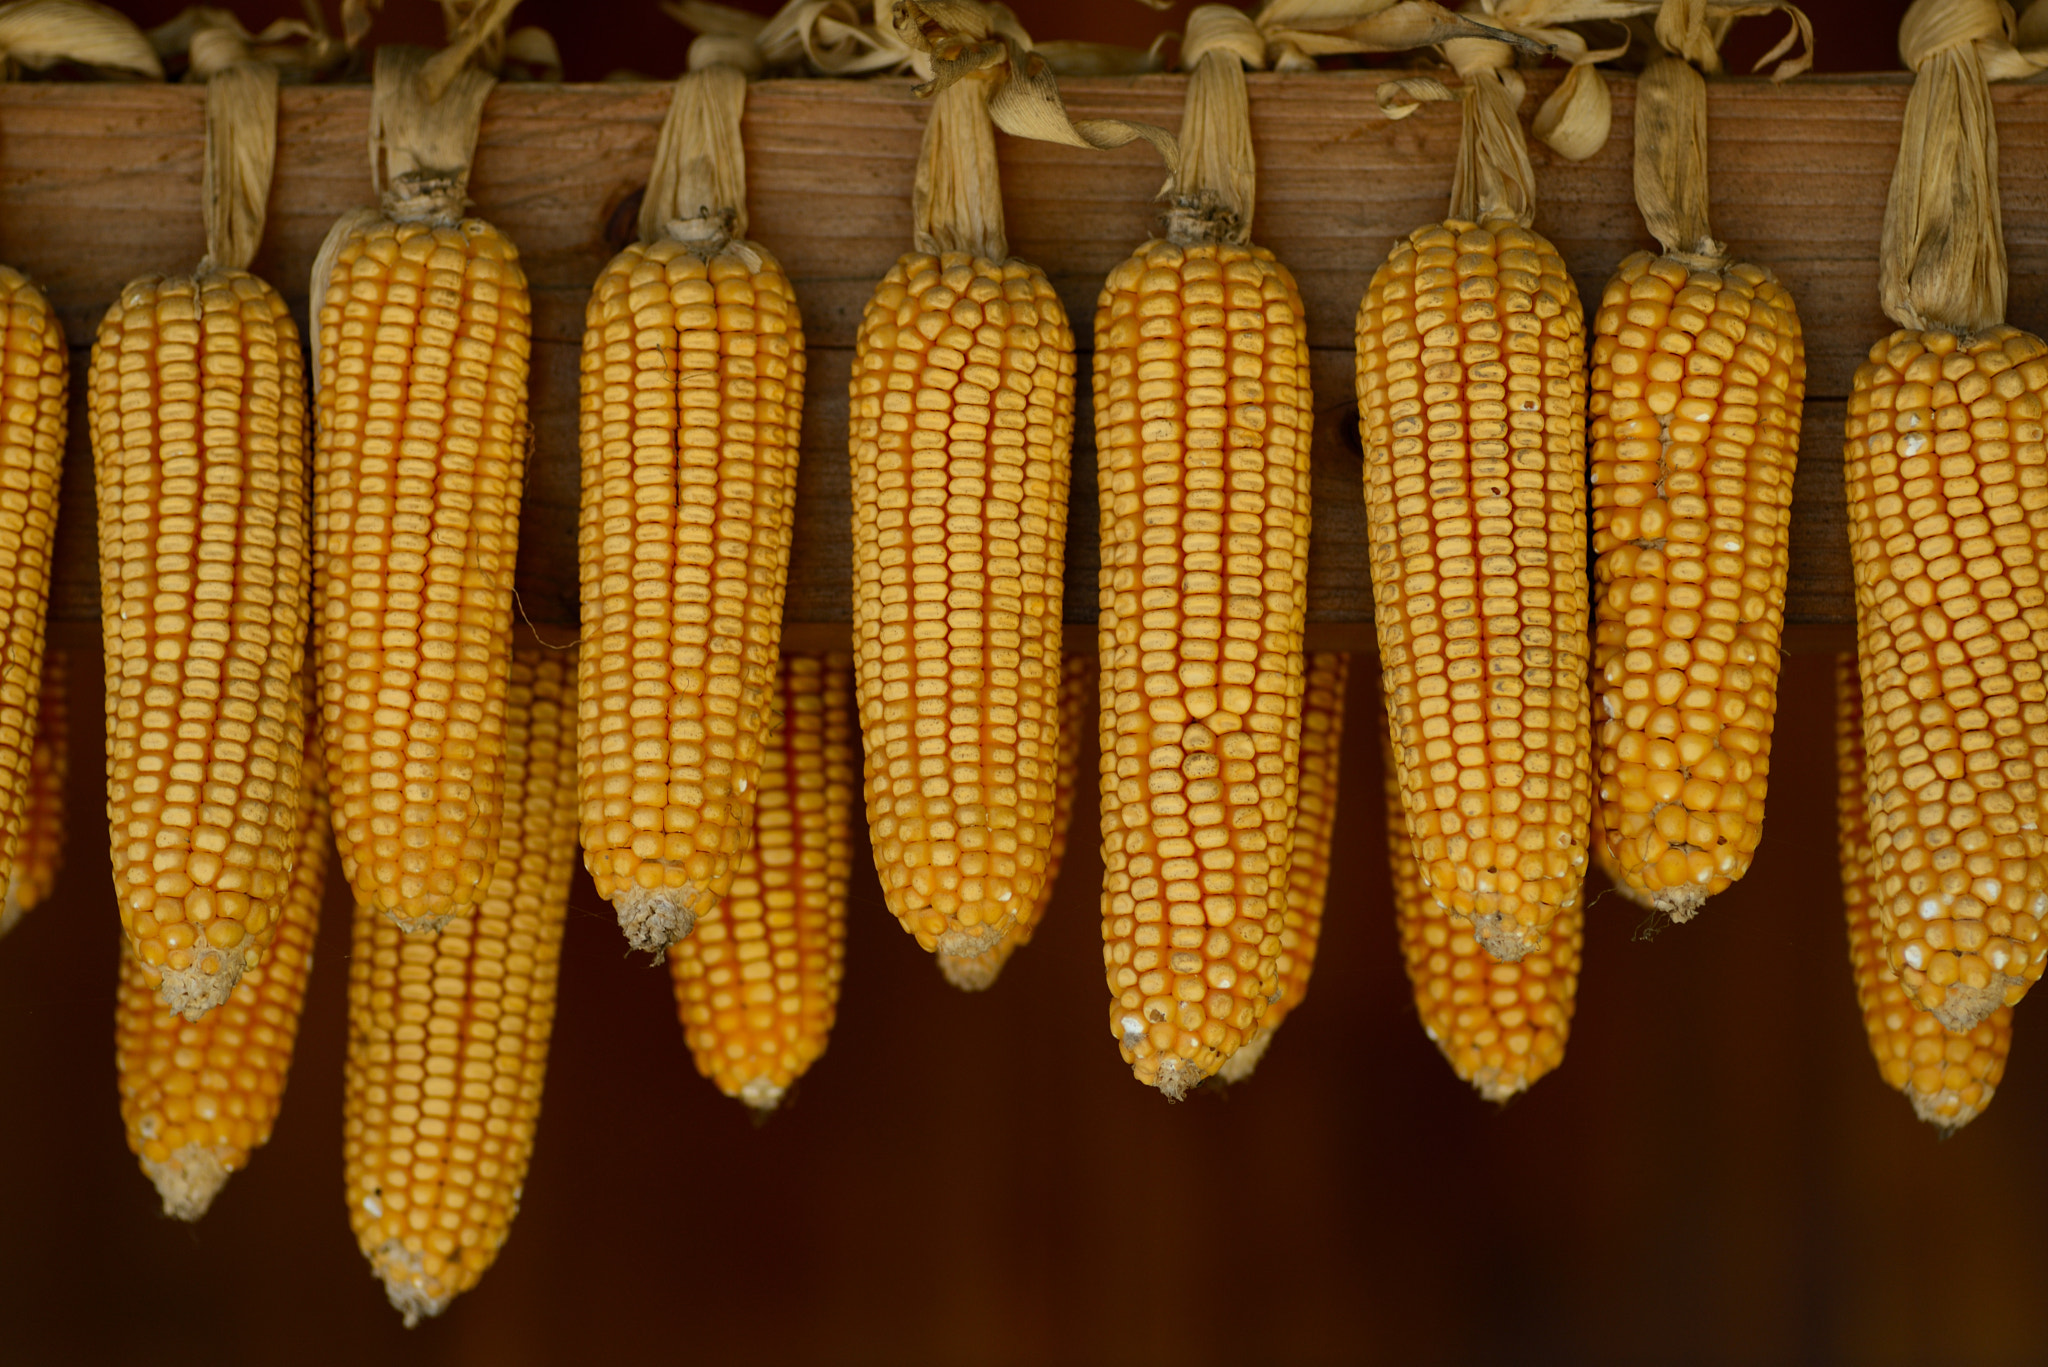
1716 1174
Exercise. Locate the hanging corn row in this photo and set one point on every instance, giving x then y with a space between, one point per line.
40 854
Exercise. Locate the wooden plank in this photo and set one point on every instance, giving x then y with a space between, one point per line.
100 183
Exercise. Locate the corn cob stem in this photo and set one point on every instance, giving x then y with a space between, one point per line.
960 435
978 972
40 854
199 1098
1308 865
1948 1077
693 369
757 986
1203 415
448 1034
422 338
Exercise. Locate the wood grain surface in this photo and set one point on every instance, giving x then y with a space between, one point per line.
99 184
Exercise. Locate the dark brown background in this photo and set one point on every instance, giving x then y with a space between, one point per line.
1716 1175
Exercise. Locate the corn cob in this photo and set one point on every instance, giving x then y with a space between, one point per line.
1472 401
197 404
40 853
1944 445
1501 1026
1949 1078
32 428
693 372
757 986
961 431
422 341
978 972
1202 422
1698 379
448 1035
198 1098
1308 866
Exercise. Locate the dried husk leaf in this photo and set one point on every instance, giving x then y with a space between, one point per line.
1943 261
1671 162
213 39
42 33
956 201
1492 178
1298 31
1215 176
241 151
421 145
698 190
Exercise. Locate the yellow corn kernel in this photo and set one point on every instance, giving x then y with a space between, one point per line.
1308 865
419 462
1472 411
199 1097
1501 1026
197 404
978 972
961 431
757 985
1943 467
693 376
448 1034
1202 420
40 852
1949 1077
1699 377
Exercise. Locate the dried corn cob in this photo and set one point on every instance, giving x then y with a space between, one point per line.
197 405
978 972
39 854
1949 1078
422 340
757 986
448 1034
1202 421
1308 866
1699 377
198 1098
1472 409
1501 1026
693 372
961 432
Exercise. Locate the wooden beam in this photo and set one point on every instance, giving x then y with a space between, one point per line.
100 183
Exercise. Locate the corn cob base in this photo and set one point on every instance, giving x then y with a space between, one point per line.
1471 398
1949 550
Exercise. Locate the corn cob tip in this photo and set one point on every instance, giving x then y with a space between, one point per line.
655 918
1962 1008
188 1180
962 942
762 1097
1505 938
422 925
1681 903
1499 1085
1239 1065
1177 1077
406 1282
193 991
972 972
1946 1110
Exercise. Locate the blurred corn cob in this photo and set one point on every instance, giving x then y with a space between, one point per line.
757 985
978 972
198 1098
39 855
448 1034
1308 867
1949 1077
